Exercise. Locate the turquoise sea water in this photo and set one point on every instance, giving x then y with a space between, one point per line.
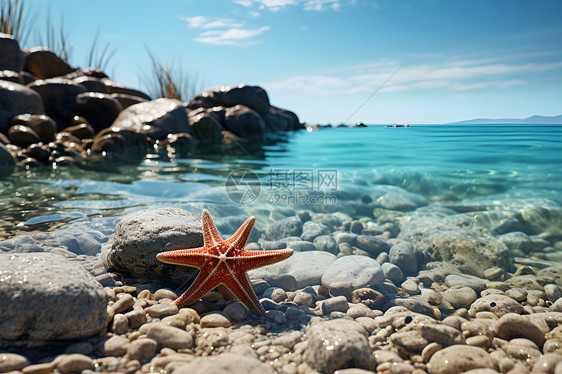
320 171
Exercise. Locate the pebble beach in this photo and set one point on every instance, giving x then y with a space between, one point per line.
415 249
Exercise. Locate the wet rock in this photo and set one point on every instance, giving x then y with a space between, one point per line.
168 336
360 271
461 297
236 311
114 346
337 344
411 287
17 99
81 131
415 304
75 363
180 143
335 304
326 243
140 236
12 57
278 119
11 361
22 136
513 325
392 272
113 142
162 310
43 63
548 363
312 230
305 269
244 122
127 100
205 125
99 109
399 199
371 244
497 304
404 256
7 161
228 96
36 289
224 363
43 125
142 349
459 358
457 239
59 97
92 84
214 320
371 298
457 280
290 226
11 76
156 118
117 88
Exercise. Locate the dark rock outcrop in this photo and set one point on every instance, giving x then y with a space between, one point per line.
17 99
11 57
44 64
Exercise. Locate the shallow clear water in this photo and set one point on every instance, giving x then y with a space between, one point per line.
319 171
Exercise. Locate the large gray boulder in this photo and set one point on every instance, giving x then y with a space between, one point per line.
47 298
140 236
457 239
156 118
11 56
17 99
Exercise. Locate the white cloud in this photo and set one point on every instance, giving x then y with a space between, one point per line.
453 76
276 5
230 36
223 31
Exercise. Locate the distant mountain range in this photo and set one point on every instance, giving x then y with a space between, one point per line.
533 120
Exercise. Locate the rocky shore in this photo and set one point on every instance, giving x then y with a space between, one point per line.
54 114
388 294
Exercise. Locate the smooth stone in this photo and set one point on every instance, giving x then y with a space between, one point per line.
459 358
224 363
341 289
276 294
433 297
410 341
120 324
442 334
115 346
392 272
326 243
155 118
403 255
22 136
12 361
460 297
163 293
304 299
140 236
547 363
276 316
75 363
237 311
337 344
44 126
184 317
136 317
168 336
253 97
123 303
457 239
411 287
162 310
553 292
36 292
360 271
335 304
305 269
372 244
311 230
494 273
513 325
517 294
12 58
290 226
456 280
17 99
142 349
497 304
214 320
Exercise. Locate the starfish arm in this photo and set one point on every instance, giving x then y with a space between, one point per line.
196 257
211 235
240 237
256 259
204 283
241 287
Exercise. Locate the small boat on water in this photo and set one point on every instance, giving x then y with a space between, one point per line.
397 125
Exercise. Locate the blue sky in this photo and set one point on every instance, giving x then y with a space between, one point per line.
325 58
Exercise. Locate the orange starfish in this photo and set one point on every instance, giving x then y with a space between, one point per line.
223 262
